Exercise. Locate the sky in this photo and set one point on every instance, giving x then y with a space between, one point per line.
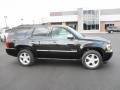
31 11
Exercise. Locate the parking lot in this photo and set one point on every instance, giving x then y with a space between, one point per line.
61 75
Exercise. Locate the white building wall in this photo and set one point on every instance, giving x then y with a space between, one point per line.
67 18
109 17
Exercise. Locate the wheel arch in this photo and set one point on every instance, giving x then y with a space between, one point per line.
100 50
21 47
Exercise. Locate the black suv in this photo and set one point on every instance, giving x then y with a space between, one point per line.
59 43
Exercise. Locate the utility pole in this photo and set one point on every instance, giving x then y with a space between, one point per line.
5 17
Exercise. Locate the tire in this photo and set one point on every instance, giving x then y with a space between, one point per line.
111 31
26 57
91 59
108 31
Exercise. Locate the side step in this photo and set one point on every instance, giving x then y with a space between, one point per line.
58 59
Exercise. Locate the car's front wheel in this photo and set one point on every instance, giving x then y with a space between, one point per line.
91 59
25 57
110 31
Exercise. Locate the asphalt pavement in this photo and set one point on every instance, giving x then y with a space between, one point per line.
61 75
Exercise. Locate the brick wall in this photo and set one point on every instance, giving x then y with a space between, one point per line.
102 24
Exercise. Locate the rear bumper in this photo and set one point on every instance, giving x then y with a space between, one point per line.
107 56
11 51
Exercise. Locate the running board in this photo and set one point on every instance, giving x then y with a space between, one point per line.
59 59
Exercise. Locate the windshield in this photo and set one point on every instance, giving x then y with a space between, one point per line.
79 35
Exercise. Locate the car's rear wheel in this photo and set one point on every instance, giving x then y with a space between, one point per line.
91 59
26 57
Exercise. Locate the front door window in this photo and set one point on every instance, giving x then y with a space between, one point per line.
60 33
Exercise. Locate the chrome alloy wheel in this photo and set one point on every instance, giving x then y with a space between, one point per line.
92 60
24 58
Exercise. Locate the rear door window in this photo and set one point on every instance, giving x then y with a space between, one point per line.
21 34
41 32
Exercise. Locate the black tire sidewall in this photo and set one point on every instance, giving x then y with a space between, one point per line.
91 52
111 31
30 54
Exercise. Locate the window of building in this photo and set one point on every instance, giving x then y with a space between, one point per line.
91 20
107 25
72 25
56 23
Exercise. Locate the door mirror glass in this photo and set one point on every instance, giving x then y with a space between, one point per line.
70 36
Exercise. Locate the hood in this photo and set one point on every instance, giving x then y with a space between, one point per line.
97 39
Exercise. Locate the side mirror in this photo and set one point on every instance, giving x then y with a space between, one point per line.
70 36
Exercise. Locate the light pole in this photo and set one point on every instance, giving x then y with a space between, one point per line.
5 17
33 22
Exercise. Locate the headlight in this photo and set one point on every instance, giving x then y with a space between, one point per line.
108 48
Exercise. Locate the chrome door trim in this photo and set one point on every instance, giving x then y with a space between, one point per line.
75 51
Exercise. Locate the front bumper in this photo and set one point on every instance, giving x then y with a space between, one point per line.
107 56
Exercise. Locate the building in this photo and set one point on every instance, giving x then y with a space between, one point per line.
85 20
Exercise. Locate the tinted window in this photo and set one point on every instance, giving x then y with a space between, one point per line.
23 33
60 32
41 31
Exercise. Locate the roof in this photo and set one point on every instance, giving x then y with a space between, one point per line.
103 12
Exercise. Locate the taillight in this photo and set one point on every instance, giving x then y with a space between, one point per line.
7 43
